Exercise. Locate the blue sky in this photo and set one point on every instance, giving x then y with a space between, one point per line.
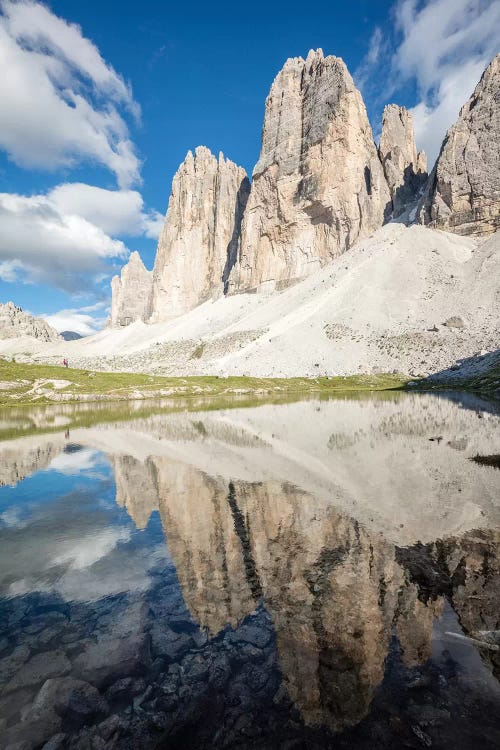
95 98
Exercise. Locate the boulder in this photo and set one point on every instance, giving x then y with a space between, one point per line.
74 700
106 660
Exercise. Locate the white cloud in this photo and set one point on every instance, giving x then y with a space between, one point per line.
431 121
152 224
76 462
10 270
63 104
444 46
61 101
41 244
68 234
81 320
438 48
375 50
116 212
85 552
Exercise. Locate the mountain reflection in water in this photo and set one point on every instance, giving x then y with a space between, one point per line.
286 576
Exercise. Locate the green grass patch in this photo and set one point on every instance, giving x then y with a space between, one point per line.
85 385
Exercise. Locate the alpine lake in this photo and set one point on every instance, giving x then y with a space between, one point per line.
320 573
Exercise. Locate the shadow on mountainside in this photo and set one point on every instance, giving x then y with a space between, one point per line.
481 404
476 378
408 195
232 248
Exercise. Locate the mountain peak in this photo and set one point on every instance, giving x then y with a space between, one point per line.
463 193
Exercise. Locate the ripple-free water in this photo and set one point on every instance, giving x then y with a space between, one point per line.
306 575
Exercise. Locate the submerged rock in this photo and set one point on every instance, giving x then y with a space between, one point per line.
75 700
109 658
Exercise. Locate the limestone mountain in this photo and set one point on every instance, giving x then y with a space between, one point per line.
14 323
131 292
318 185
463 193
199 239
405 169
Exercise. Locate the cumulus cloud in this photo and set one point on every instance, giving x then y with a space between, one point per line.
83 320
63 105
41 244
116 212
444 46
69 233
439 47
61 102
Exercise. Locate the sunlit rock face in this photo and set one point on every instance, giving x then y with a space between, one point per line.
131 292
463 193
318 185
405 169
197 246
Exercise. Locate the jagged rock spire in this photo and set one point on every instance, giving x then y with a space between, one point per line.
197 246
318 185
405 169
463 193
131 292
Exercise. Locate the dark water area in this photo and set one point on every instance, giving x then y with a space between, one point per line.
323 574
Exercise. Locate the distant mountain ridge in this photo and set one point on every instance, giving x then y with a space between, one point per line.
14 323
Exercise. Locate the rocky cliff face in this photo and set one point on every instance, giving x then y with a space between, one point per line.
131 292
405 169
318 185
197 246
14 322
463 193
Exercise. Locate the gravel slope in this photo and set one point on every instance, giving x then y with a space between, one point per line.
381 306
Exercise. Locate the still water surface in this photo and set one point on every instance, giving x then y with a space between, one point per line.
286 576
